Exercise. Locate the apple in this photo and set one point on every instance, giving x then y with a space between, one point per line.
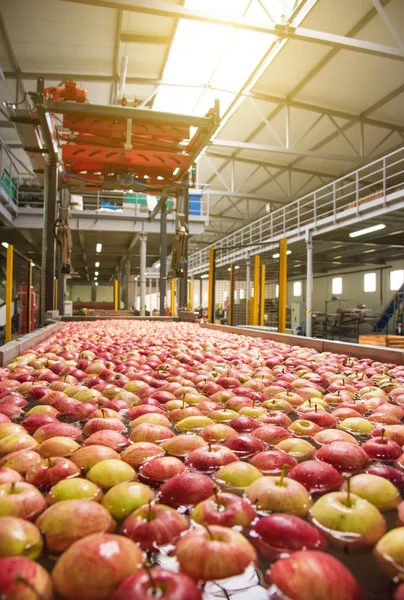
107 437
195 424
344 456
347 520
94 567
304 428
19 537
236 475
8 475
88 456
245 445
67 521
72 489
154 526
17 441
316 476
356 426
109 472
399 592
182 445
382 448
97 424
49 471
227 510
34 422
158 470
270 462
271 434
122 499
42 409
147 432
394 475
157 583
244 424
23 579
209 458
186 489
153 418
143 409
389 553
20 461
229 552
20 499
279 494
279 535
217 433
394 432
297 448
328 436
378 491
311 574
57 446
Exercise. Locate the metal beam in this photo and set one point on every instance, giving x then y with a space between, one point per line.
245 196
125 112
114 86
134 241
262 148
160 9
390 26
131 38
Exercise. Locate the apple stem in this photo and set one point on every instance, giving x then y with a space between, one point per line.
209 532
283 474
151 579
216 494
210 446
49 462
315 408
21 579
309 402
183 401
13 487
382 436
348 489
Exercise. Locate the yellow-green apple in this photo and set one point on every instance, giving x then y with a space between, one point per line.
19 537
328 436
279 494
94 567
153 418
236 475
182 445
110 472
194 423
140 452
76 488
378 491
389 553
17 441
214 553
67 521
8 475
297 448
20 461
219 432
57 446
122 499
87 457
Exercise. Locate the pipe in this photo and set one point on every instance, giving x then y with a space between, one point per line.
309 285
143 240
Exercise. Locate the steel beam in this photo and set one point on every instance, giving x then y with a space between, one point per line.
282 150
114 86
143 115
48 258
163 257
390 26
143 253
131 38
242 195
309 285
281 31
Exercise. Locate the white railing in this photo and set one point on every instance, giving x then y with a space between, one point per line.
353 197
9 177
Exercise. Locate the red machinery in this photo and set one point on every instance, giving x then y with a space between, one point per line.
70 93
23 309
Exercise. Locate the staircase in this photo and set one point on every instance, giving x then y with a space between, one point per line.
390 309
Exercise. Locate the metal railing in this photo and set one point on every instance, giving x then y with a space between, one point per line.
10 178
358 195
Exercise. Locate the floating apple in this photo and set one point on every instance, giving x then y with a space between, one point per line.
20 499
153 526
19 537
227 510
158 583
122 499
376 490
23 579
72 489
186 489
279 494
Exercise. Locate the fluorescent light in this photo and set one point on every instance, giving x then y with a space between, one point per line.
277 255
157 265
96 273
176 171
355 234
98 248
4 244
33 264
95 278
97 264
205 276
236 267
96 283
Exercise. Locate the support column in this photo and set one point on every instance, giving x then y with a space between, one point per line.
309 285
201 293
248 291
212 278
9 293
283 275
116 294
184 282
93 292
163 256
127 284
230 311
49 243
191 294
135 304
262 302
257 277
60 300
143 250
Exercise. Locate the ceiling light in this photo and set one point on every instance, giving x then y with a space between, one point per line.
97 264
4 244
33 264
98 248
176 171
205 276
96 273
236 267
157 265
369 251
96 283
355 234
277 255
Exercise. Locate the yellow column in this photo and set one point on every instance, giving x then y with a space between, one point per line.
173 297
29 289
116 294
191 295
231 296
211 293
262 304
283 275
256 299
9 291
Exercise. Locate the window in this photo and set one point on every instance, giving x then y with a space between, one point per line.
396 279
369 282
337 285
277 291
297 288
242 295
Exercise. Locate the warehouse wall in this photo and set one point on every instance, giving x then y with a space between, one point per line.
104 293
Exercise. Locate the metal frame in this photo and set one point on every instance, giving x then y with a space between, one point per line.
283 285
9 292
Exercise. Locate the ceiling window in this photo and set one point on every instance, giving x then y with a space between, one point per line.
297 288
337 285
396 279
369 282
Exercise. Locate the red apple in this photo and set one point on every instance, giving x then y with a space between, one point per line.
158 583
186 489
153 526
24 579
